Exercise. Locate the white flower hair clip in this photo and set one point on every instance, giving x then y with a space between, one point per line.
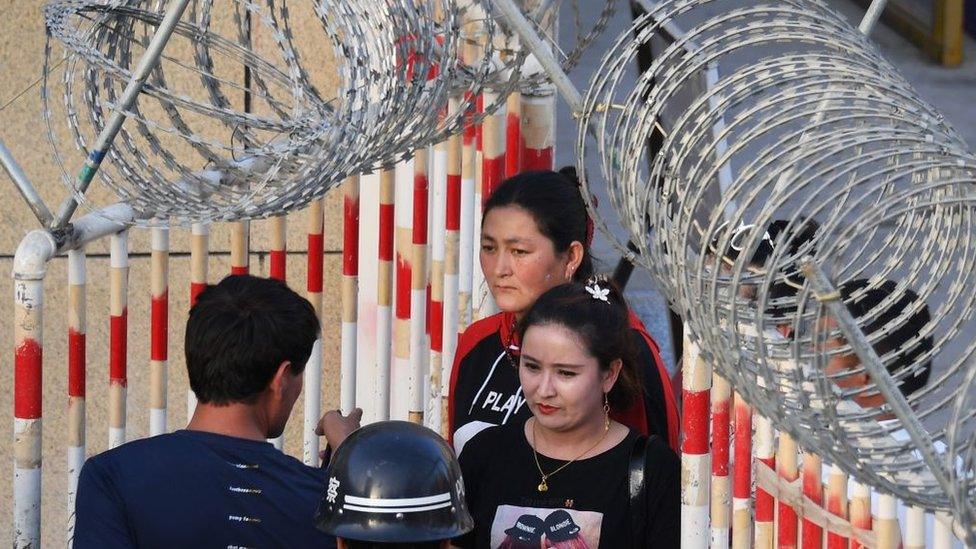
598 293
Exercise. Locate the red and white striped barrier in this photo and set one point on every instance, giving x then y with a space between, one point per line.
159 330
513 134
419 349
240 247
350 293
77 362
277 269
695 455
721 503
438 251
538 130
403 260
452 263
199 272
118 337
313 368
384 295
742 476
28 353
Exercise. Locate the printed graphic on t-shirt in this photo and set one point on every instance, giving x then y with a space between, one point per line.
539 528
498 397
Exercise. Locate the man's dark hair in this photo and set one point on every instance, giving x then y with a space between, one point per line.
802 239
861 300
240 331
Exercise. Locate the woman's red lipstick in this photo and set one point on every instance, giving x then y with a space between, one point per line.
546 410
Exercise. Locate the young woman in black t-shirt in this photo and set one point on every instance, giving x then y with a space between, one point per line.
561 479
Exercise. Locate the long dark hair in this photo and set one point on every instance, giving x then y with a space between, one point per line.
602 326
554 201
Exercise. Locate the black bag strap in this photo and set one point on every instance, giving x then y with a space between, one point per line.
638 498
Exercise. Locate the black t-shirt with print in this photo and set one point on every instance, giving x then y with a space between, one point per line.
587 501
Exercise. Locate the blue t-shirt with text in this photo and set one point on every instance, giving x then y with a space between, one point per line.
197 489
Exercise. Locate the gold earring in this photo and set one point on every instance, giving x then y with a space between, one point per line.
606 412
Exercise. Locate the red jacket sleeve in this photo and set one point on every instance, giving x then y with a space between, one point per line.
670 405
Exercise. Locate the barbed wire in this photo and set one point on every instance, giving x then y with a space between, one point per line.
820 151
191 150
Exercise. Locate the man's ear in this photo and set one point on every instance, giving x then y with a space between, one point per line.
279 381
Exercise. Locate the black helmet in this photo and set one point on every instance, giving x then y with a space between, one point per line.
394 481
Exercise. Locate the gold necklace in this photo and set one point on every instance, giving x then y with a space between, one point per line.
543 487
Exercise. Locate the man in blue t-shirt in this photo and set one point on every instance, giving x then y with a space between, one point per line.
218 483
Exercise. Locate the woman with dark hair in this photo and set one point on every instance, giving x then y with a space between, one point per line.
571 465
535 235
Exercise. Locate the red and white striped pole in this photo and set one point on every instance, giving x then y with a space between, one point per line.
469 207
433 417
886 527
199 259
28 345
452 263
837 504
400 371
538 115
278 256
77 317
493 141
367 332
695 463
278 227
786 462
467 229
384 294
513 135
742 476
813 489
118 334
158 329
350 292
419 346
240 249
313 369
478 286
199 266
721 502
765 503
860 510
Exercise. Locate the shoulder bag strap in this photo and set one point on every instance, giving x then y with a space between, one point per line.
638 500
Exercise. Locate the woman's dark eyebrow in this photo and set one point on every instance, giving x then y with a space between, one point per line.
530 358
512 240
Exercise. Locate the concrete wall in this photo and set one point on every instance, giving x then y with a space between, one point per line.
21 128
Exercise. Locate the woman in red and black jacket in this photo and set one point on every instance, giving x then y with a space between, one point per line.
535 235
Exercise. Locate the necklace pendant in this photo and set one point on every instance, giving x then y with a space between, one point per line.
543 487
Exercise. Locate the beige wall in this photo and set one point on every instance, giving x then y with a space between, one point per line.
21 128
